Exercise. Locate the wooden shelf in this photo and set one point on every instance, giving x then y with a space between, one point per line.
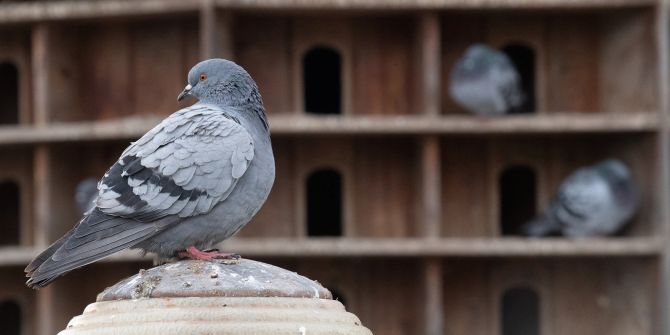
73 10
445 247
128 128
131 128
430 4
410 248
21 256
466 124
17 256
20 12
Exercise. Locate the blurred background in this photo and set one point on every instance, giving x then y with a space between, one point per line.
390 191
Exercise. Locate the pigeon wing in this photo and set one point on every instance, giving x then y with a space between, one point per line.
183 167
581 201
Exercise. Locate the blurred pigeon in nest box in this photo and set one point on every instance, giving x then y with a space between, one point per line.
485 82
190 182
593 201
85 195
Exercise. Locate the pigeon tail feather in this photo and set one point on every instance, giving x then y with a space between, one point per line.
51 269
541 225
46 254
79 247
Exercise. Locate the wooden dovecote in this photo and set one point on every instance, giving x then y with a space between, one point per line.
429 196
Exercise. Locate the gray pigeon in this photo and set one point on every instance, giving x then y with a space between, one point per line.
190 182
484 81
85 195
593 201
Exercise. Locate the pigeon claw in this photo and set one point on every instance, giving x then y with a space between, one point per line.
207 255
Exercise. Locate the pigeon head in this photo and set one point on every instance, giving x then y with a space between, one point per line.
613 170
220 81
476 61
620 181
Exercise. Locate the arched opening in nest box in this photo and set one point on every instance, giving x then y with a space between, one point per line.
10 317
524 60
520 312
517 194
10 213
322 71
9 93
324 203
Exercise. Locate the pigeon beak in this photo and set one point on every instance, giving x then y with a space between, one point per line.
186 92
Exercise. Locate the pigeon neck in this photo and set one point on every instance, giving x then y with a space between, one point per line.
247 99
232 94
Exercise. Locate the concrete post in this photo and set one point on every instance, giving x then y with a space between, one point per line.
196 297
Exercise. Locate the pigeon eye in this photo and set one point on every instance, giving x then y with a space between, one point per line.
203 76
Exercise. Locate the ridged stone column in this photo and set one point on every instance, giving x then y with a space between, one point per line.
196 297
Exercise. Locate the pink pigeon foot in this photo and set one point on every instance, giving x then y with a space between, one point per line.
193 253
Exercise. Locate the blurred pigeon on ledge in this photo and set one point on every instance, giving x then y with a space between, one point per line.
485 82
190 182
85 195
594 201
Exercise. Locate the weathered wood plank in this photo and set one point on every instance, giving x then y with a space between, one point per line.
70 9
408 247
548 124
